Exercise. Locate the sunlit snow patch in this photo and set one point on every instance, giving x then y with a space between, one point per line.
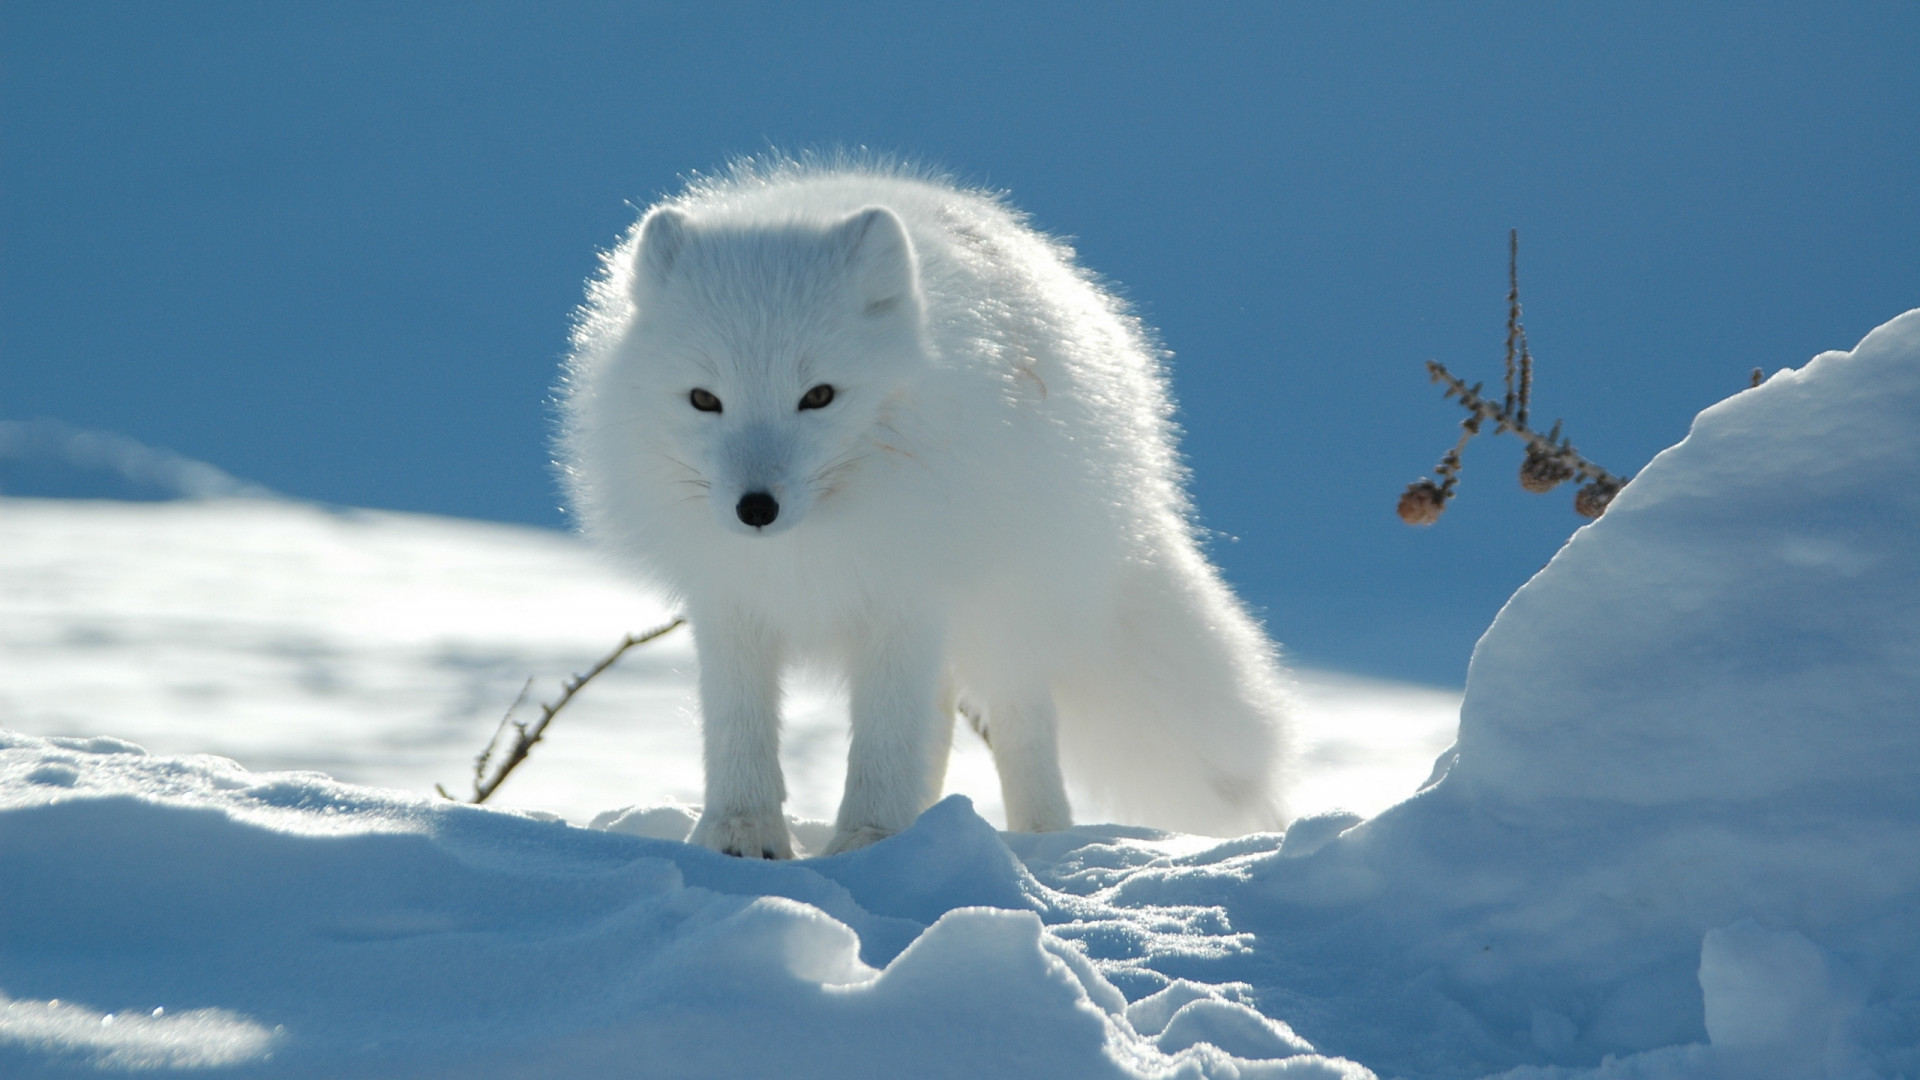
70 1033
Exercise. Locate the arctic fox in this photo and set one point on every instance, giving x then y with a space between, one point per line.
857 417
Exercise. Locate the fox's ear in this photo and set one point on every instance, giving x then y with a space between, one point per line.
662 237
880 258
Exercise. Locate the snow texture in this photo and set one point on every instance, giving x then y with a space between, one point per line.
1676 838
350 931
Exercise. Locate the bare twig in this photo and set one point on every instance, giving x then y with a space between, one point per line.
526 734
1551 459
1516 333
486 753
1515 326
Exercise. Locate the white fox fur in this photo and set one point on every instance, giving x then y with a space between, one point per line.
988 512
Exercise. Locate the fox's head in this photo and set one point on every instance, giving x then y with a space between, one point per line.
768 355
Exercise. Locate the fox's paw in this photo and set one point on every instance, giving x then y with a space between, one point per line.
748 835
854 838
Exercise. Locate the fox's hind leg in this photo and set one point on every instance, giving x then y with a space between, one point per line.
740 725
945 704
1023 733
900 710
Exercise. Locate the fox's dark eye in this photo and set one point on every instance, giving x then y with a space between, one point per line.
817 398
704 400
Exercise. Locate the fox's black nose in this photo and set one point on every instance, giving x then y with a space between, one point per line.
757 508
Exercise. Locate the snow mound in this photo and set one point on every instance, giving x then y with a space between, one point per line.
167 913
1741 622
1684 808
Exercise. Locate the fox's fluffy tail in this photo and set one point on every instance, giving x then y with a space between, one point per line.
1184 724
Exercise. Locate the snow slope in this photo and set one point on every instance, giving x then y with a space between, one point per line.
306 928
382 649
1679 837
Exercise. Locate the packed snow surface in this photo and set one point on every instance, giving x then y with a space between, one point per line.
1678 836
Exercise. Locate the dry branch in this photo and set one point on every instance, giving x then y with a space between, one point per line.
1551 459
525 734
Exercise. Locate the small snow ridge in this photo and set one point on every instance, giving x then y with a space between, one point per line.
764 936
50 459
670 822
1309 834
98 744
950 858
1231 1026
54 774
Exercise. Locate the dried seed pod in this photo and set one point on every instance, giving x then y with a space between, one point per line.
1593 499
1422 503
1541 473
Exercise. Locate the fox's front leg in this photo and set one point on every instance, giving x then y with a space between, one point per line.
740 725
896 702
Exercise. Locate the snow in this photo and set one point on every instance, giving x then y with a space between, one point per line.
382 648
347 930
1776 1003
1679 834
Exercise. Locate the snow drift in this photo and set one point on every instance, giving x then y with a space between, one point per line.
183 913
1686 792
1677 837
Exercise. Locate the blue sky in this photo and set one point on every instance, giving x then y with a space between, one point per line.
332 247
